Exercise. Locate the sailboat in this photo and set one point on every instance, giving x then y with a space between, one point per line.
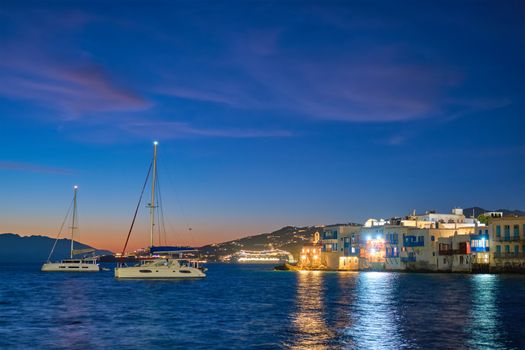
72 264
162 262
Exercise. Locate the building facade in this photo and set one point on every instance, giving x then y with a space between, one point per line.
507 244
340 246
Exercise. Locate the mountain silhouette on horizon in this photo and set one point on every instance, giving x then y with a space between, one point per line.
478 211
31 249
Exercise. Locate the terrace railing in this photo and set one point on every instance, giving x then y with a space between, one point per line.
512 255
508 238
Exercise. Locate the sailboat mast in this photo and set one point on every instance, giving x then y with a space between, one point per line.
73 219
152 204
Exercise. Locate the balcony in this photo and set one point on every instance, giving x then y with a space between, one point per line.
407 259
500 255
508 238
479 249
452 252
413 244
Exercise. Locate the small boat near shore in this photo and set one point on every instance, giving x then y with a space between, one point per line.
72 264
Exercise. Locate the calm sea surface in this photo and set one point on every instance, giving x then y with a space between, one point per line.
248 306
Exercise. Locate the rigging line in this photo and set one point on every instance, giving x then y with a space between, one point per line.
179 204
60 231
170 226
162 221
137 209
159 209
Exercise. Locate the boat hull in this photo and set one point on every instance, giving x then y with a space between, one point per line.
158 272
70 267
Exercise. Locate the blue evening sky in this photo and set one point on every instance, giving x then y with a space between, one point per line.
267 113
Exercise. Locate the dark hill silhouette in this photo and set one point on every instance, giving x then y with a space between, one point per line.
478 211
16 249
288 238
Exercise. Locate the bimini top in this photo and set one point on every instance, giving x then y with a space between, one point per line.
171 249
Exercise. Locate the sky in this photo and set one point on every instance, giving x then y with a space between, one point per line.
267 113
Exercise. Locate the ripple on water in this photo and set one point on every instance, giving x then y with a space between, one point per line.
239 307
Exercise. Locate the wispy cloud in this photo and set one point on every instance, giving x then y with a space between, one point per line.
68 87
172 130
35 168
68 79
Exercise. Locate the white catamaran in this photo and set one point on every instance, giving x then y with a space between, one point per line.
72 264
160 263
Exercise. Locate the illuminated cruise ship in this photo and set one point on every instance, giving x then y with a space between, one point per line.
273 256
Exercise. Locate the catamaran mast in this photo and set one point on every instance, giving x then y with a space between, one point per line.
73 219
152 204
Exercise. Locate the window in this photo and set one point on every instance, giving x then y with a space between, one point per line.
461 259
516 231
498 231
516 249
507 249
507 230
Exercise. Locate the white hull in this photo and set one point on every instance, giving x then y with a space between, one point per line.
70 267
159 269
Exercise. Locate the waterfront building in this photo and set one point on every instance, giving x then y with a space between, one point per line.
427 242
394 238
340 246
454 253
507 243
421 250
373 248
480 249
311 253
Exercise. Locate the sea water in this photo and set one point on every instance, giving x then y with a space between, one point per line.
253 307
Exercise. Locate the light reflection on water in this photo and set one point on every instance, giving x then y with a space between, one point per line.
310 328
375 312
485 329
